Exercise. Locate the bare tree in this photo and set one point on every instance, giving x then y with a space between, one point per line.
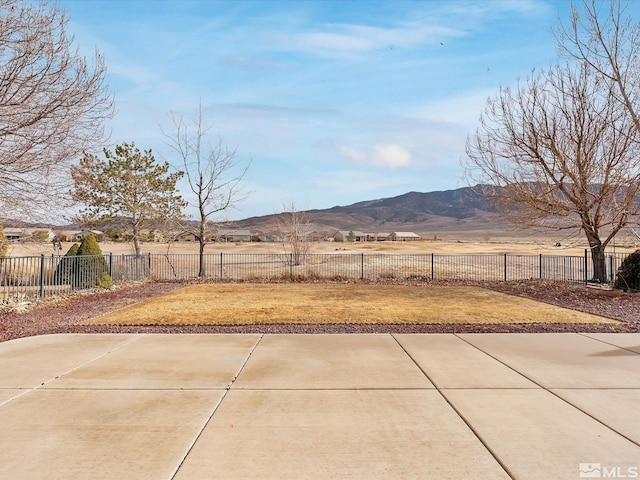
558 152
295 228
604 36
214 174
53 104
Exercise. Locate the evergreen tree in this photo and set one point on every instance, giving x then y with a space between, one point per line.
127 188
65 270
73 250
83 266
89 246
90 265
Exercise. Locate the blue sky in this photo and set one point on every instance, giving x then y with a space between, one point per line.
335 101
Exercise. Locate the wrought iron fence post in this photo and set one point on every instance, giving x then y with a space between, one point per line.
42 275
291 267
111 265
611 272
586 277
541 266
505 267
432 265
362 266
221 266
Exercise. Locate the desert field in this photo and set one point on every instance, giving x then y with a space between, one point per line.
452 246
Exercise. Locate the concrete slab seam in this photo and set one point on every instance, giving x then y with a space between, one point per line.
104 354
608 343
552 392
215 409
21 394
460 415
37 387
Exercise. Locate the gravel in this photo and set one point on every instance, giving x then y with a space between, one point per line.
63 315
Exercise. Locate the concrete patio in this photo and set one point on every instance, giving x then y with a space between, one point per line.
485 406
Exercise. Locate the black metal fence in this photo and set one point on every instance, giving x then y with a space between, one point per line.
41 276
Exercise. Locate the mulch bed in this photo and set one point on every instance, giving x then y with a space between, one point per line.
64 315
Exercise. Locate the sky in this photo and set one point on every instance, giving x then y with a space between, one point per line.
333 102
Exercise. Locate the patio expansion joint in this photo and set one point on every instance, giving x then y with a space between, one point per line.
551 391
458 412
586 335
104 354
23 392
26 391
215 408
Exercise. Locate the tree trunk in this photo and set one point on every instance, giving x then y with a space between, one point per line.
202 272
202 240
599 263
136 243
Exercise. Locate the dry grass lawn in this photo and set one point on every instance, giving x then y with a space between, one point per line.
241 304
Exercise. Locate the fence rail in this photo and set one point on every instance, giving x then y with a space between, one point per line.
41 276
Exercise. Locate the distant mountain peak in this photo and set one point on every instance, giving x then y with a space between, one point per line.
408 211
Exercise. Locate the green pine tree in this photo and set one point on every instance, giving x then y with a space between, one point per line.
127 187
89 246
91 266
65 270
83 266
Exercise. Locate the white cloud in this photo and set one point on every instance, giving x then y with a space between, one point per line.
390 156
462 110
355 155
381 155
337 40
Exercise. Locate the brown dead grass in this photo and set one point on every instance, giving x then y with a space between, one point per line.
241 304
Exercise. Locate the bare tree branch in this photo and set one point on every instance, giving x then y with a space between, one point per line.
558 151
214 173
53 104
604 35
295 229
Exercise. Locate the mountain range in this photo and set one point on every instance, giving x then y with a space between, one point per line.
432 213
462 212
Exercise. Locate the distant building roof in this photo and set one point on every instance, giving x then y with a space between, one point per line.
346 233
406 234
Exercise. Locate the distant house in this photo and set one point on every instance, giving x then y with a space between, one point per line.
28 234
153 236
77 235
344 236
185 237
377 237
403 237
14 234
235 236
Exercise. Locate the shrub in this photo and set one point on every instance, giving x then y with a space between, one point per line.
105 281
65 270
73 250
89 246
84 266
628 278
91 265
